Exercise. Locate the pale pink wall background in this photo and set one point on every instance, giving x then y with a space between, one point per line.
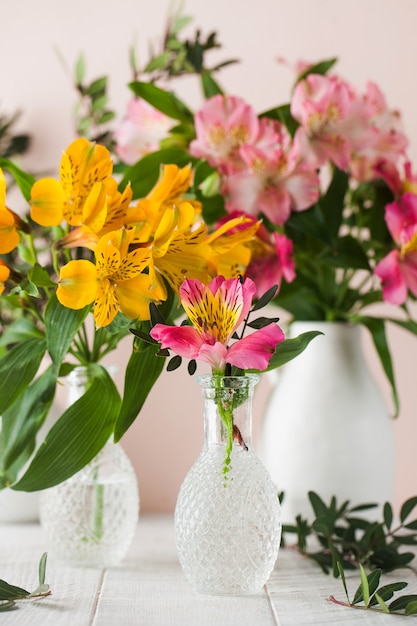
374 40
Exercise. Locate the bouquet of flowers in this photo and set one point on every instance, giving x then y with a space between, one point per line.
327 173
77 275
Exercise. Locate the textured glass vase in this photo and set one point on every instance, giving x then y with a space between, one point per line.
91 518
227 517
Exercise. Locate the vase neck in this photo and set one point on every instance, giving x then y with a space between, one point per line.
228 408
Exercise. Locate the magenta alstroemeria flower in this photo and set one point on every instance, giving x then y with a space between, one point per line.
272 261
216 312
398 273
398 269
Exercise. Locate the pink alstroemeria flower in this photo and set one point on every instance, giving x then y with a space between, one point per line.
390 174
401 218
398 269
222 125
273 183
216 312
272 261
398 273
141 131
332 120
387 140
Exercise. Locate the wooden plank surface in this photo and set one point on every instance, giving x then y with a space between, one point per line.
149 589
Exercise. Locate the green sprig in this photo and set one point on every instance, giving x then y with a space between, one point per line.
10 594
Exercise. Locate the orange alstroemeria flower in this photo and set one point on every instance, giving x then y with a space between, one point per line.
115 282
83 164
4 275
10 222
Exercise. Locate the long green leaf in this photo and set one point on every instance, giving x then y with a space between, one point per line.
62 325
291 348
142 372
22 421
162 100
78 435
17 369
377 329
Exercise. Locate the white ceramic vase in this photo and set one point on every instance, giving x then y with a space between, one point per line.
326 426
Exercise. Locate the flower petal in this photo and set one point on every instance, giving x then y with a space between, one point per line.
255 350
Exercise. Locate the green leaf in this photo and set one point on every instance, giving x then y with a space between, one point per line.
381 603
42 568
40 276
210 86
348 253
10 592
80 70
21 422
17 368
377 329
78 435
261 322
401 602
265 298
318 505
362 593
142 372
333 203
411 525
159 62
283 115
162 100
62 325
24 181
319 68
97 87
388 515
411 608
343 578
407 507
291 348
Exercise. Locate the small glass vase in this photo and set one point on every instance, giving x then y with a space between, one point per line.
91 518
228 515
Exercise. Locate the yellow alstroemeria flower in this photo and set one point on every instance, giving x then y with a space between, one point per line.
231 244
180 250
105 210
83 164
115 282
173 183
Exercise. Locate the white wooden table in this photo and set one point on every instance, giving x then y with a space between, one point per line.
149 588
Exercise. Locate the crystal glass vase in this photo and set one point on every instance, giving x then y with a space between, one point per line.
91 518
227 517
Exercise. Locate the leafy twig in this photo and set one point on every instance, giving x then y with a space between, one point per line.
10 594
350 539
370 596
